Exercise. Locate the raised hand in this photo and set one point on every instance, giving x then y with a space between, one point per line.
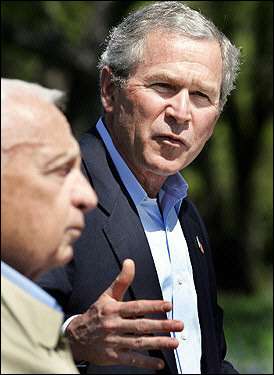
110 328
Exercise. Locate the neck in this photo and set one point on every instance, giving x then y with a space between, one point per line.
150 182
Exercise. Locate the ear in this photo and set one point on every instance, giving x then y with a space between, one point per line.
107 89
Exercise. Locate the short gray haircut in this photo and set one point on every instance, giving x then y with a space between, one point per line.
124 44
12 90
12 86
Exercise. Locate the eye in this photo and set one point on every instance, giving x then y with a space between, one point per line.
159 84
64 169
163 87
200 94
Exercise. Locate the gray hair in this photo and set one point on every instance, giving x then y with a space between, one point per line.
12 86
12 89
124 44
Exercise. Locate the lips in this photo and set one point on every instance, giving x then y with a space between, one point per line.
172 140
76 229
75 233
79 226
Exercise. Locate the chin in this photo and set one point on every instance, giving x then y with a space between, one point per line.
166 168
64 256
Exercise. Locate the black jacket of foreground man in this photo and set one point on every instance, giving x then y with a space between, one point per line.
113 233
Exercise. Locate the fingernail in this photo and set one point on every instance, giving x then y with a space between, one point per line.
166 306
178 326
161 365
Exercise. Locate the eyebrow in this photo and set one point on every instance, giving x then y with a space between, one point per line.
160 77
174 80
62 157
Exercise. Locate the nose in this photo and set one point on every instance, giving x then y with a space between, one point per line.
83 195
178 107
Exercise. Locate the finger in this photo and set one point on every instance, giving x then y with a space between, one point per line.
139 360
144 326
143 342
143 307
120 285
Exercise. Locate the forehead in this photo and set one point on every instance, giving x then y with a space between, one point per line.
35 125
180 54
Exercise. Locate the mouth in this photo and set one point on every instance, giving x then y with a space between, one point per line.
75 233
172 141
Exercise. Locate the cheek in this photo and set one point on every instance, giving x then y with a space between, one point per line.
142 107
51 217
139 126
35 218
203 128
151 109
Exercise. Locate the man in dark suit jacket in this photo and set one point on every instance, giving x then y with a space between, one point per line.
165 76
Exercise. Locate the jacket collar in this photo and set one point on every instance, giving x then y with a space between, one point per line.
39 321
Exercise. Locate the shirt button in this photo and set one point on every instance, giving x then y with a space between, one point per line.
180 280
184 336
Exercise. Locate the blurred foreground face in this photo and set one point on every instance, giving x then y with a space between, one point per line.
43 191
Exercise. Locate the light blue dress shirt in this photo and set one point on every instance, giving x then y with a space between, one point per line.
170 254
29 286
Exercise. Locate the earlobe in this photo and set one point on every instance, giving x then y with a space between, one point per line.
107 90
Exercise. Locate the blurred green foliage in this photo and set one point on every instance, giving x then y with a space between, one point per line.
248 326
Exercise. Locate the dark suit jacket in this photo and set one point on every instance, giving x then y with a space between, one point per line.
113 233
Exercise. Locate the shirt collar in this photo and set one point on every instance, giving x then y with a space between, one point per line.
173 190
28 286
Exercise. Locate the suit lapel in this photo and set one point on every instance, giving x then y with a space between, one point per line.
197 250
46 330
123 227
127 238
201 281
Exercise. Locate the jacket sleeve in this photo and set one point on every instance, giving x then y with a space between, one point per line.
227 368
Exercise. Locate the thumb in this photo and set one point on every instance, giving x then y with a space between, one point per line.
125 278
